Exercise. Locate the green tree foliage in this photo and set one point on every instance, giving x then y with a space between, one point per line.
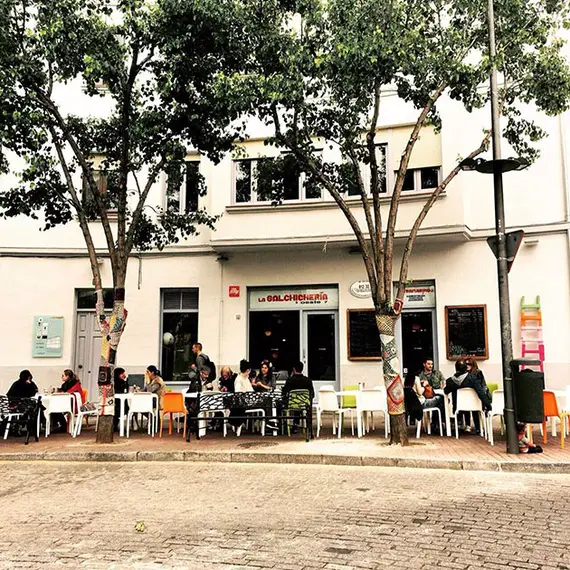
92 113
86 79
320 68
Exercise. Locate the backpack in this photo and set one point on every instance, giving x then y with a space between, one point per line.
210 364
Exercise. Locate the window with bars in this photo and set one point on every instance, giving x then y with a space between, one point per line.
179 320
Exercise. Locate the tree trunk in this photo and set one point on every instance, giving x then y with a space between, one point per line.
111 329
392 379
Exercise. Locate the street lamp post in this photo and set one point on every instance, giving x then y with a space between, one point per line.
499 243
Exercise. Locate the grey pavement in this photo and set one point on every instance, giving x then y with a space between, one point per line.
286 517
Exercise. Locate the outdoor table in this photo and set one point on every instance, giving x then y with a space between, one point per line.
122 398
356 394
221 402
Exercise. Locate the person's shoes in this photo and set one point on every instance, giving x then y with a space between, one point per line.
294 429
468 429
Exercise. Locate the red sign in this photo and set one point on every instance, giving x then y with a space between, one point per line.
233 290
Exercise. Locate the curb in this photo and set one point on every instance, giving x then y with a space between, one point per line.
291 458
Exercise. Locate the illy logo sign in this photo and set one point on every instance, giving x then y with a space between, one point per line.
233 290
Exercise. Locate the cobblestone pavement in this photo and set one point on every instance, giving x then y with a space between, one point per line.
286 517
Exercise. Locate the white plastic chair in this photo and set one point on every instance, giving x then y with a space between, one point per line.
374 400
429 412
59 404
328 402
468 401
83 413
143 403
497 409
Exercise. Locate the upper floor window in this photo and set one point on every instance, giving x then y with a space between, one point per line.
183 188
255 180
364 166
421 178
107 182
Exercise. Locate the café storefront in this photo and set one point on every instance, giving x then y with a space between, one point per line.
296 323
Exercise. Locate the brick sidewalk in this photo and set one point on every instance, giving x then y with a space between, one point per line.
469 452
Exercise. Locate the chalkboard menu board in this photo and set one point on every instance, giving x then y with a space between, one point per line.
363 338
466 331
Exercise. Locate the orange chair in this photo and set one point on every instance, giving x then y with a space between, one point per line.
173 403
551 411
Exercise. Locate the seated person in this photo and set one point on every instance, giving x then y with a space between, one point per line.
71 384
298 381
464 379
121 386
24 387
226 379
264 380
428 399
155 384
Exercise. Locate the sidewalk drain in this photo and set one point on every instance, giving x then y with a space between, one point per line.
339 550
256 444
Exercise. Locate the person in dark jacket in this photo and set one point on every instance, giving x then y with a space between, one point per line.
24 387
121 386
226 379
465 379
297 381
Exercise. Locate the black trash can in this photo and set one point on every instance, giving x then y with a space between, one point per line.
528 387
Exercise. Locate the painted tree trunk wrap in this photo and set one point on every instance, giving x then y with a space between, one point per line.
111 330
391 364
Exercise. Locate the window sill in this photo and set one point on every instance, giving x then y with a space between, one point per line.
248 208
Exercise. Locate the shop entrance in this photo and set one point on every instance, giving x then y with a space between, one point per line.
292 325
417 339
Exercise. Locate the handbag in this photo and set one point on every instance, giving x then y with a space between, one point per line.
428 392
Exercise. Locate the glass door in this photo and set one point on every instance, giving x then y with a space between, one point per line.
320 350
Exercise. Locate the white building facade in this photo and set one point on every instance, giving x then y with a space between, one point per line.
285 283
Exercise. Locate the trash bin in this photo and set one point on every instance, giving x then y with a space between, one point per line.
528 387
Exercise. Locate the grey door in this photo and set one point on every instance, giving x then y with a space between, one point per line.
87 351
320 348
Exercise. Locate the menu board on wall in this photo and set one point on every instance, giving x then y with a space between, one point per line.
466 331
48 337
363 338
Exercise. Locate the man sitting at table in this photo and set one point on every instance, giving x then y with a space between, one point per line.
298 381
433 377
24 387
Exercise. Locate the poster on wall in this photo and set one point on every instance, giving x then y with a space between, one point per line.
47 339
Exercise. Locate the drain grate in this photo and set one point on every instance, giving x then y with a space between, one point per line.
256 444
335 550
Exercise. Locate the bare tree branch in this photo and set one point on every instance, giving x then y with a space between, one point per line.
395 202
424 212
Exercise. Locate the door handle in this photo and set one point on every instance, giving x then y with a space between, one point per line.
80 366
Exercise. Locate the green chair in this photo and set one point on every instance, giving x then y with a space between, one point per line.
349 401
300 401
492 387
